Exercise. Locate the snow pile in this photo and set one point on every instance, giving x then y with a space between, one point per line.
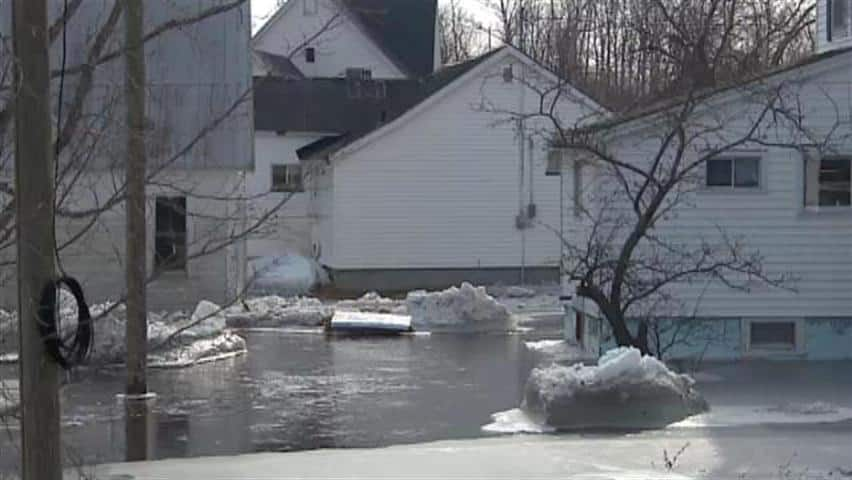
625 390
289 274
225 345
464 309
173 337
557 350
373 302
276 312
9 397
208 319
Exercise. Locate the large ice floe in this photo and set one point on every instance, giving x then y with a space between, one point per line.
277 312
459 309
173 340
625 391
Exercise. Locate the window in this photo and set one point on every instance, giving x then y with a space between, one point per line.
170 234
554 163
287 178
828 182
838 19
734 172
772 335
310 55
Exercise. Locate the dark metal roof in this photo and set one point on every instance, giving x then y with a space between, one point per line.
278 65
403 29
345 109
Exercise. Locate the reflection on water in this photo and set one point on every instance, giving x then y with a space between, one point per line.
305 391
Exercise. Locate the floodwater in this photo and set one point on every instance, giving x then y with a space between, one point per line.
298 391
301 391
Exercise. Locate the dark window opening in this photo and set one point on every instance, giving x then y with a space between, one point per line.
310 55
287 178
835 183
170 234
777 335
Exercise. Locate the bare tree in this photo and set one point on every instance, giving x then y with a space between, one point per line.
459 33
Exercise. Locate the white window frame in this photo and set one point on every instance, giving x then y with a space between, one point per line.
798 347
733 158
812 164
289 186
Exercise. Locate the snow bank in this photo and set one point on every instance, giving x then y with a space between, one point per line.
225 345
9 397
169 337
373 302
288 274
784 414
276 312
463 309
557 350
625 390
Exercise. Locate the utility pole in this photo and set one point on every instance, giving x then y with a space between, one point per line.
136 432
41 457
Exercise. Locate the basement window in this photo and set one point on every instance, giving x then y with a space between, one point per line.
170 234
287 178
772 335
310 55
828 182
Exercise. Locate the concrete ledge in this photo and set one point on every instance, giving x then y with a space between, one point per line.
398 280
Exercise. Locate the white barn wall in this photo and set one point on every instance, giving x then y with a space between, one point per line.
288 229
442 190
339 42
96 256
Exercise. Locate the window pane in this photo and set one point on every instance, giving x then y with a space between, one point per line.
840 18
780 334
747 172
170 233
835 182
287 178
719 173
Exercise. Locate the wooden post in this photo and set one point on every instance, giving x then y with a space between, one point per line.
41 457
137 324
137 409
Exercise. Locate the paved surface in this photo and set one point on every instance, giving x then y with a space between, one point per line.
761 454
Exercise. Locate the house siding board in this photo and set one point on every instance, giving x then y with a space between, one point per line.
338 41
442 189
815 248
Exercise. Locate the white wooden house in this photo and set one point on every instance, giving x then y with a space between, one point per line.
199 150
412 178
792 205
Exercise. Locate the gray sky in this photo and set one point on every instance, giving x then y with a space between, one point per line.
262 9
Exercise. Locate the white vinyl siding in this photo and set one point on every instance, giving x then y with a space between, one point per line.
812 248
442 190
